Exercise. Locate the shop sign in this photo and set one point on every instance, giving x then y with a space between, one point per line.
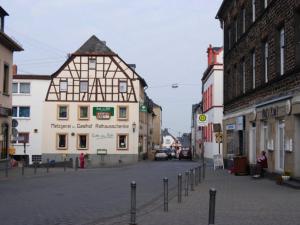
103 110
103 115
101 151
143 108
219 137
202 120
5 112
230 127
240 123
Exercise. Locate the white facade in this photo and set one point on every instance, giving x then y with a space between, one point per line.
214 81
32 124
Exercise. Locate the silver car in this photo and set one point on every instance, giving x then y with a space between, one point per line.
161 154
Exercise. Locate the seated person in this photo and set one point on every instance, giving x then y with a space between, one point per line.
261 164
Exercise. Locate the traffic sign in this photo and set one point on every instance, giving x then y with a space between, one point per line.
202 120
219 137
14 123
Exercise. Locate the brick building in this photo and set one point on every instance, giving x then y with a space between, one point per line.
262 81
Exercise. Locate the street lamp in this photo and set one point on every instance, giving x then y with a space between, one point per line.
133 127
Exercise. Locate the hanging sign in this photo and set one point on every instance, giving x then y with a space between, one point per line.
202 120
143 108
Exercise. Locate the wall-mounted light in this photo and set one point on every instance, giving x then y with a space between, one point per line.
35 130
72 134
133 126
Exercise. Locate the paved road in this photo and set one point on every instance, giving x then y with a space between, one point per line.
240 200
92 196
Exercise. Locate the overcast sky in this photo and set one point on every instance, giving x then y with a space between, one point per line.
166 39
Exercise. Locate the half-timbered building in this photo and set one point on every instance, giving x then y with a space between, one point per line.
93 107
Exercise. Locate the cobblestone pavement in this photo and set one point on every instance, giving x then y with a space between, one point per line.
85 197
240 200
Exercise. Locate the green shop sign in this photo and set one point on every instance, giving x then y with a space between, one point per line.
103 110
143 108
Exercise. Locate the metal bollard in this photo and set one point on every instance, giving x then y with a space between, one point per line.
48 165
166 194
186 186
192 179
212 206
35 167
196 176
23 169
65 164
6 169
204 168
76 164
133 204
199 175
179 187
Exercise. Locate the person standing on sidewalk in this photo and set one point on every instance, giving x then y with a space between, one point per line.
81 159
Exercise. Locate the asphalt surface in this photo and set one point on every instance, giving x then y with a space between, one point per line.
89 196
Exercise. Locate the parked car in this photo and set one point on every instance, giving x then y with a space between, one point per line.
185 153
170 152
161 154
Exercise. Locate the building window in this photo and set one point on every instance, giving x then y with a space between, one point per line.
63 86
92 64
244 20
122 141
243 68
266 60
15 88
84 86
6 80
21 111
63 112
123 113
62 141
265 3
83 113
23 137
253 10
24 88
82 141
282 50
253 69
265 136
123 86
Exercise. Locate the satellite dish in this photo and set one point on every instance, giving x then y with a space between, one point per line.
14 123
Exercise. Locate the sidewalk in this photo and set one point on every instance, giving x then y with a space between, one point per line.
240 200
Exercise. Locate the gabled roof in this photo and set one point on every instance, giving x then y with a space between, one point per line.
94 46
3 12
9 43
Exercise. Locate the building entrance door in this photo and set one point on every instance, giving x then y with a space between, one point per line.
280 146
252 143
5 141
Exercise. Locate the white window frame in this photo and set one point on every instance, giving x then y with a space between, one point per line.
121 87
127 142
12 90
79 112
81 87
253 69
92 63
127 114
282 50
266 61
63 88
253 10
24 93
58 114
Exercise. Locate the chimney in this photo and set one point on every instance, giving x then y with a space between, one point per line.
210 56
14 69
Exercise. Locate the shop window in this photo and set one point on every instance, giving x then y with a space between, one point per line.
63 112
123 86
122 142
83 112
82 141
62 141
83 86
63 86
123 113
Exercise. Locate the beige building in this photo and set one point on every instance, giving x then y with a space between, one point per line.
96 105
7 47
